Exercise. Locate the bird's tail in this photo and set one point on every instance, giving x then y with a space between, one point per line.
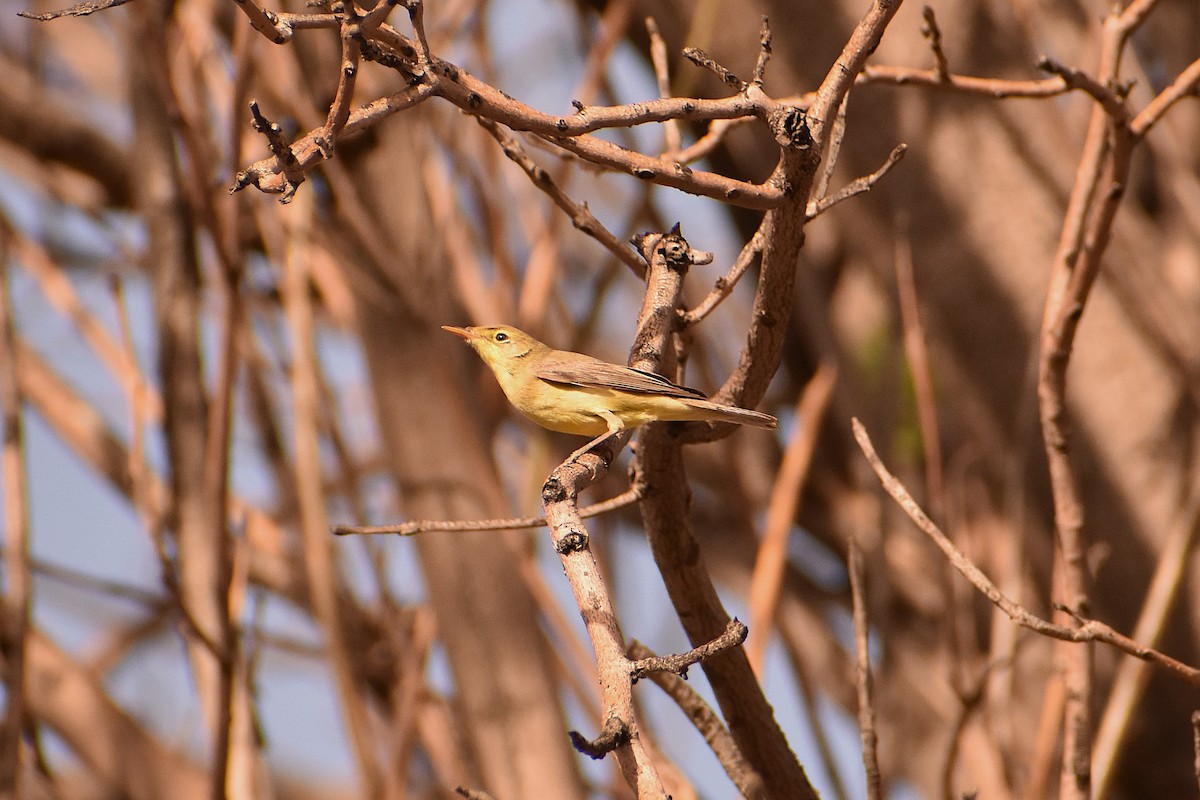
715 412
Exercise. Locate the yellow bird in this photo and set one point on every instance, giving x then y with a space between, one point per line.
575 393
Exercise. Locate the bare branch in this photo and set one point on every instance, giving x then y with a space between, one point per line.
735 633
933 34
866 707
581 217
1088 630
705 61
764 53
672 136
78 10
1109 100
858 185
265 22
626 498
708 723
996 88
1185 85
614 734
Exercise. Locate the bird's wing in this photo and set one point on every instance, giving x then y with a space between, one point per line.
601 375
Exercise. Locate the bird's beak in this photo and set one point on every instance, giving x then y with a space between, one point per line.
465 333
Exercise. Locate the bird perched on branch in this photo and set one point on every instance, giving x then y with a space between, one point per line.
575 393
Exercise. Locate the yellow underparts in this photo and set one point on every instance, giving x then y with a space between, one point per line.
581 410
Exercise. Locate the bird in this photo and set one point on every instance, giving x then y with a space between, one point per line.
577 394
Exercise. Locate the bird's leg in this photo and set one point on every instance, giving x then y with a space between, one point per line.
615 426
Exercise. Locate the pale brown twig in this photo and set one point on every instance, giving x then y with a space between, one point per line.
769 564
1088 630
1184 85
18 588
282 172
316 547
416 14
829 163
857 186
435 76
625 498
1132 675
672 136
709 142
725 284
339 109
1196 745
809 695
60 293
1099 184
996 88
581 217
705 61
917 355
665 172
764 53
81 9
678 663
970 700
708 723
266 22
866 706
933 34
570 538
1112 102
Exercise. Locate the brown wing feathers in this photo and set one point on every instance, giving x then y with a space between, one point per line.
602 375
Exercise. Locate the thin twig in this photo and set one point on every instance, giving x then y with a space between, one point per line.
416 13
970 700
581 217
77 10
1089 630
767 576
708 723
995 88
672 136
709 142
916 352
866 707
1185 85
265 22
933 34
317 553
14 492
472 794
1196 745
664 172
678 663
1108 99
625 498
705 61
1129 685
1100 180
764 52
339 109
725 284
829 164
857 186
614 734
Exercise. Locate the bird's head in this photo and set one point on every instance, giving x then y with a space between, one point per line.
500 346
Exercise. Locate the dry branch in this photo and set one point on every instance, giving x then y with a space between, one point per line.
1088 630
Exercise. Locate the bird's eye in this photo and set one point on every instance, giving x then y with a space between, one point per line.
501 336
